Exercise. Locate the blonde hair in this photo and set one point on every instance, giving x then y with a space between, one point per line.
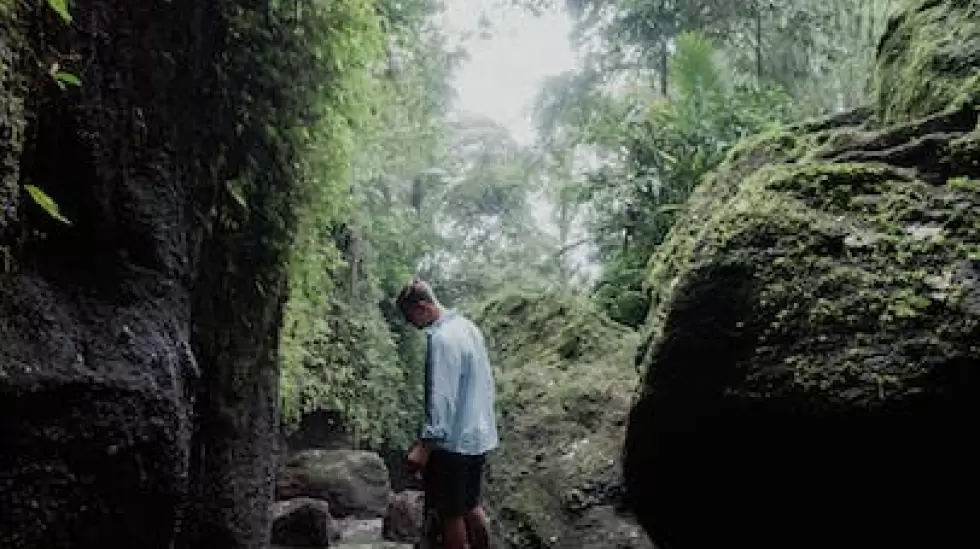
414 292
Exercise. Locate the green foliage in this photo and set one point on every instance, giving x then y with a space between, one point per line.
664 146
380 130
349 364
927 63
346 39
819 52
668 88
564 380
485 235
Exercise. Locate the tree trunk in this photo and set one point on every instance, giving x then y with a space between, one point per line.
138 368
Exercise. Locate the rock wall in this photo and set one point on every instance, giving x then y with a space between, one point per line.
813 366
138 368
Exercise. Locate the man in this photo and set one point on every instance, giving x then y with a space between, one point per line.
460 427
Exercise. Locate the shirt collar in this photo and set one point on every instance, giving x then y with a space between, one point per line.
444 315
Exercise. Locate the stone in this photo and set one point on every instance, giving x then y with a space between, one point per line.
605 526
403 520
354 482
303 522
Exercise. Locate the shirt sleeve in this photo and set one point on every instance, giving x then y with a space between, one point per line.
442 385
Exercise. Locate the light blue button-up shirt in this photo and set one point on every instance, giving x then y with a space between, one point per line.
459 391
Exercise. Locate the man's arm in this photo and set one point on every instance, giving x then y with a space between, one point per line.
442 379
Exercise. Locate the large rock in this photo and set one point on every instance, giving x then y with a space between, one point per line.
403 520
103 449
354 482
813 366
564 376
303 522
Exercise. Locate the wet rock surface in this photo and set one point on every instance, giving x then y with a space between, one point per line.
812 362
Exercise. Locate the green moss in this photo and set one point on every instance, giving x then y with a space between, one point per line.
929 60
549 328
776 145
965 184
964 153
564 375
846 260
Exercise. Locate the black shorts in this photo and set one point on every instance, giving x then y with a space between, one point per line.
452 482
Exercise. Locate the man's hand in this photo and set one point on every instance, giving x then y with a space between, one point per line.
417 457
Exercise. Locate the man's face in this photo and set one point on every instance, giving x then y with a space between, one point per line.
416 314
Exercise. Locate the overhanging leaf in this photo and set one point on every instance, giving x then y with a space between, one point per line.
67 78
235 190
47 203
61 7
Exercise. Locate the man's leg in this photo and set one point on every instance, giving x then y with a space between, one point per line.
454 532
476 528
476 518
447 491
431 524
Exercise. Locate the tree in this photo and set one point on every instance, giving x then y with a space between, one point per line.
649 152
343 348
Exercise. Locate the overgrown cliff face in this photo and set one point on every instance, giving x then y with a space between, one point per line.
96 372
813 364
138 344
564 384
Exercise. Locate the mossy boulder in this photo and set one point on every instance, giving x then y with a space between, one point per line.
813 355
354 482
928 59
564 378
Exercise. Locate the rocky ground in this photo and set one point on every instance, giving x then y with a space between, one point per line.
341 498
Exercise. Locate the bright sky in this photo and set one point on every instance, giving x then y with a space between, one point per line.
506 71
